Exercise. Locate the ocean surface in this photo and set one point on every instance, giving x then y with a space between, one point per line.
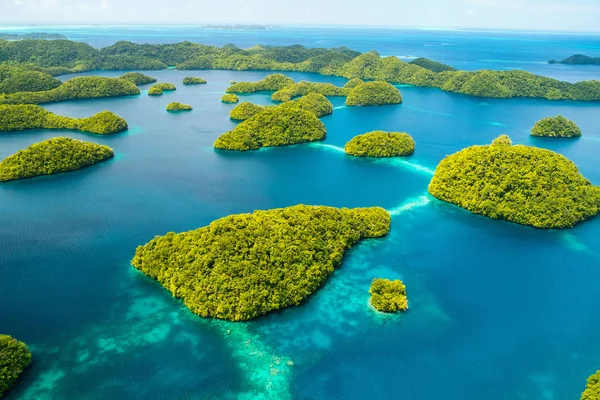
498 311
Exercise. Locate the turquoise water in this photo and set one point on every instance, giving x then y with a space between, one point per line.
498 310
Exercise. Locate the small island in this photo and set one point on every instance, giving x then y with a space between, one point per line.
592 389
159 88
432 65
243 266
245 110
388 296
52 156
271 82
578 59
374 94
273 127
381 144
303 88
556 127
193 80
14 358
28 116
229 98
521 184
155 91
83 87
138 78
176 106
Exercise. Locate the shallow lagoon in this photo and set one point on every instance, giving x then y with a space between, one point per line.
498 311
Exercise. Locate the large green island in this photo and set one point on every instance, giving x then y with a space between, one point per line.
381 144
273 127
243 266
14 358
522 184
52 156
28 116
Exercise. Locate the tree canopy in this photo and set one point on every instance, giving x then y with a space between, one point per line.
272 127
556 127
388 296
381 144
245 110
17 79
14 358
193 80
138 78
247 265
373 94
432 65
270 83
522 184
230 98
176 106
592 389
52 156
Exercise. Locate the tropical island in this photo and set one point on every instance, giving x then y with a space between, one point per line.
32 36
522 184
243 266
66 56
52 156
578 59
313 102
20 117
229 98
176 106
272 82
373 94
381 144
83 87
15 79
14 358
592 389
275 126
138 78
556 127
388 296
193 80
303 88
431 65
352 83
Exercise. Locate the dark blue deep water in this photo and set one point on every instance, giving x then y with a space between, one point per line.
498 311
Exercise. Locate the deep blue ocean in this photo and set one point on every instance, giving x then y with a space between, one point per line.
498 311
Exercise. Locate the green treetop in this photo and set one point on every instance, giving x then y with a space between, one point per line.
522 184
270 83
175 106
388 296
303 88
138 78
381 144
245 110
354 82
247 265
192 80
556 127
592 390
17 79
229 98
14 358
373 94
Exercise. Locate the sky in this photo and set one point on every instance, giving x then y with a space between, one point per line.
545 15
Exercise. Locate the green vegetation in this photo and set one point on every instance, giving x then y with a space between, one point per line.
57 56
578 59
521 184
247 265
155 91
32 35
388 296
558 126
191 80
431 65
381 144
165 87
175 106
14 358
270 83
592 390
373 94
354 82
26 116
245 110
275 126
303 88
229 98
138 78
52 156
314 102
15 79
84 87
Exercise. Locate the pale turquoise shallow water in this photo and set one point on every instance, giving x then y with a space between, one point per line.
498 311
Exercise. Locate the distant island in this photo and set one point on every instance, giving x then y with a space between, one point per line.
522 184
64 56
592 389
193 80
14 358
33 35
275 126
578 59
313 102
243 266
388 296
176 106
381 144
556 127
138 78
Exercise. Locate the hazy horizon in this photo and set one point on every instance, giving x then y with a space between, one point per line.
495 15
